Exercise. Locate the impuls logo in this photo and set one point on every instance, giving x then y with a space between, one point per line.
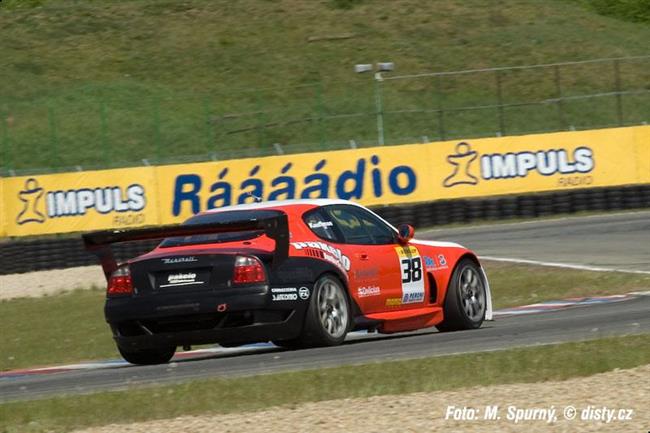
494 166
76 202
30 196
461 161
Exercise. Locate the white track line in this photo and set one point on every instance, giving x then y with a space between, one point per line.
537 221
563 265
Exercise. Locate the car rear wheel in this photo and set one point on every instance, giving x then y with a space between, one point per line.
147 356
465 303
328 316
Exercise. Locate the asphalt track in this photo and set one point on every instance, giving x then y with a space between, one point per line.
613 241
596 240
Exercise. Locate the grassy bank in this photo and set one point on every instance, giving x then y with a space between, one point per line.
70 327
537 364
114 82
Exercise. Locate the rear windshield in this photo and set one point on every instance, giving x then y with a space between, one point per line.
222 217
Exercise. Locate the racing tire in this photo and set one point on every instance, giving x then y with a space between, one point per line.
328 316
465 303
148 356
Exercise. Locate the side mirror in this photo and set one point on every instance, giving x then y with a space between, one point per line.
405 233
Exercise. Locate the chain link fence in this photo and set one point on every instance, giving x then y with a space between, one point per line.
125 125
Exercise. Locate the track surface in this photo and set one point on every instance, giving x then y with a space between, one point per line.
626 317
617 241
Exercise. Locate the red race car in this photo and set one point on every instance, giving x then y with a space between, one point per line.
298 273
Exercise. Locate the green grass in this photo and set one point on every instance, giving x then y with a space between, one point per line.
514 285
70 327
629 10
101 83
535 364
54 330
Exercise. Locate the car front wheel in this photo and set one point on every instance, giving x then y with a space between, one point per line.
465 303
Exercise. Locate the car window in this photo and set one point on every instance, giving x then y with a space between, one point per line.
377 229
359 226
321 224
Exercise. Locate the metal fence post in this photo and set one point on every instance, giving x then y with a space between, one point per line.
156 128
441 109
6 150
378 108
104 132
209 128
619 96
502 126
261 127
54 140
560 99
320 111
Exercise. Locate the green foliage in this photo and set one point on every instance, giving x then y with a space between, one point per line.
111 82
17 4
628 10
345 4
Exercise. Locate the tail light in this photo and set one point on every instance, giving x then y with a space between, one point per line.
120 282
248 270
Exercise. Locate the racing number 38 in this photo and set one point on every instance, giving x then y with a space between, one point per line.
411 270
412 282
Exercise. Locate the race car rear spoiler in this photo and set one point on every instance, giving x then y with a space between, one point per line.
99 242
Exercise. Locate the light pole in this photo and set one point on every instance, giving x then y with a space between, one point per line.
378 68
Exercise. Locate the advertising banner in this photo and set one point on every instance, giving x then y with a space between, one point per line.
396 174
413 173
534 163
643 153
72 202
3 211
82 201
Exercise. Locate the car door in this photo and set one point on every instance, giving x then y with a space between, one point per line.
375 276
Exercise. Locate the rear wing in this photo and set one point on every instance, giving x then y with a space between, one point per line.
99 242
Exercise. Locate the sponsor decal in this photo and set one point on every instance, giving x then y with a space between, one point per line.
495 166
179 260
331 254
412 281
393 302
431 265
78 202
366 273
364 177
365 291
222 308
321 224
303 292
181 279
284 294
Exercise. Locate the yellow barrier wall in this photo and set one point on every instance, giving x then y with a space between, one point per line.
643 153
3 211
372 176
72 202
414 173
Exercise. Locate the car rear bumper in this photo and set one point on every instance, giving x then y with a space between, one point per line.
246 316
